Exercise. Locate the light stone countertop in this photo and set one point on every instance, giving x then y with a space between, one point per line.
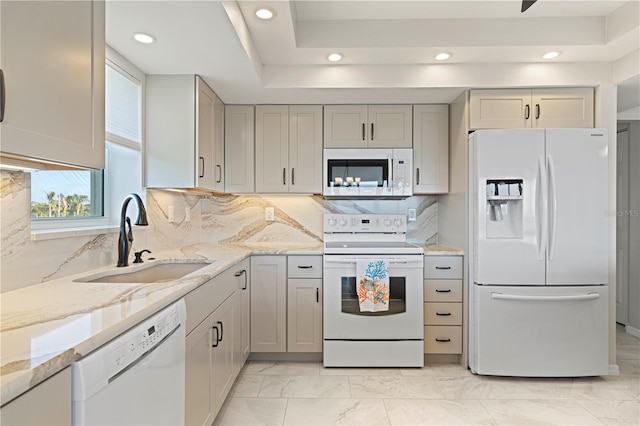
437 250
47 326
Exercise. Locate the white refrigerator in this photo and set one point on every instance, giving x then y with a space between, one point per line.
539 252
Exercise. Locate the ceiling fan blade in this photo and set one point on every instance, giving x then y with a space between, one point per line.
526 4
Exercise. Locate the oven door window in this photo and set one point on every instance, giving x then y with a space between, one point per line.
397 297
369 171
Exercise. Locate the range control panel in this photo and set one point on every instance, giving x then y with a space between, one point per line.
365 223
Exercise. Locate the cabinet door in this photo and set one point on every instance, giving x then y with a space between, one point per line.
49 403
390 126
431 149
53 59
239 148
199 408
224 347
500 109
268 304
243 288
565 107
272 148
205 136
305 148
218 149
304 319
345 126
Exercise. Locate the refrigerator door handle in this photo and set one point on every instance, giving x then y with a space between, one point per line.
557 298
553 216
541 208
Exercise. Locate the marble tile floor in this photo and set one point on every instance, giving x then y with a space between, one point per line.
289 393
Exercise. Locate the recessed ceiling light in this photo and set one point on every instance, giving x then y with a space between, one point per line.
335 57
265 13
443 56
550 55
144 38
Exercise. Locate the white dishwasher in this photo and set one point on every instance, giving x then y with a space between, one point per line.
137 378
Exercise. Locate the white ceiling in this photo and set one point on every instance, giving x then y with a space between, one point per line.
389 47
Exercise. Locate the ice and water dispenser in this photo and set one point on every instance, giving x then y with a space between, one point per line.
504 208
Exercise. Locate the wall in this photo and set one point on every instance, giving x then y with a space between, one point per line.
634 228
213 218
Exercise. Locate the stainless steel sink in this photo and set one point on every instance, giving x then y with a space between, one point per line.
160 272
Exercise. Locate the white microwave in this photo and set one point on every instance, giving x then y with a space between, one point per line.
373 173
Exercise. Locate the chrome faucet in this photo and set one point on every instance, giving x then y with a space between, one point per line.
126 236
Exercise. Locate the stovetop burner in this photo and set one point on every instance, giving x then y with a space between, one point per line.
371 247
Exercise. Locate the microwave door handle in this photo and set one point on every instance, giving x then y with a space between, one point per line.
389 183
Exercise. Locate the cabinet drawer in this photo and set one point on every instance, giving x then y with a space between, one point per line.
304 267
443 290
443 339
443 267
442 313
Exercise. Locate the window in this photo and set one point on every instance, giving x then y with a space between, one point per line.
84 197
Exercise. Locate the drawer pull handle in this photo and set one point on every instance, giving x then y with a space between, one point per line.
443 340
305 266
443 267
443 314
443 291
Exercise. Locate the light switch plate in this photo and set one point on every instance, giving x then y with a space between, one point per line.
187 214
170 214
411 215
269 214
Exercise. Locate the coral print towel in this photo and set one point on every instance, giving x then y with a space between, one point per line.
372 285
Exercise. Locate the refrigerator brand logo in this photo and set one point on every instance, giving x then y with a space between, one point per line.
597 134
621 213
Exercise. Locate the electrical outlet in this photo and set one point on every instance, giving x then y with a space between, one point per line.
187 214
269 214
411 216
170 214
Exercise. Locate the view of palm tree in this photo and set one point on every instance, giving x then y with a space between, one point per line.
60 205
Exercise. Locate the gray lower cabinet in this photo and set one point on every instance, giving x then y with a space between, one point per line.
214 343
268 304
443 304
286 303
49 403
304 304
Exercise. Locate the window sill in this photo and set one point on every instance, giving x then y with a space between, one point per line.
52 234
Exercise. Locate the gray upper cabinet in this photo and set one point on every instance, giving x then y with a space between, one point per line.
537 108
288 148
53 60
367 126
239 148
185 134
431 149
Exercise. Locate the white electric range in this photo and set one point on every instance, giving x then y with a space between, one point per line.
353 338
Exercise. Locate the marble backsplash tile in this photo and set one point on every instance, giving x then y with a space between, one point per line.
211 218
240 218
